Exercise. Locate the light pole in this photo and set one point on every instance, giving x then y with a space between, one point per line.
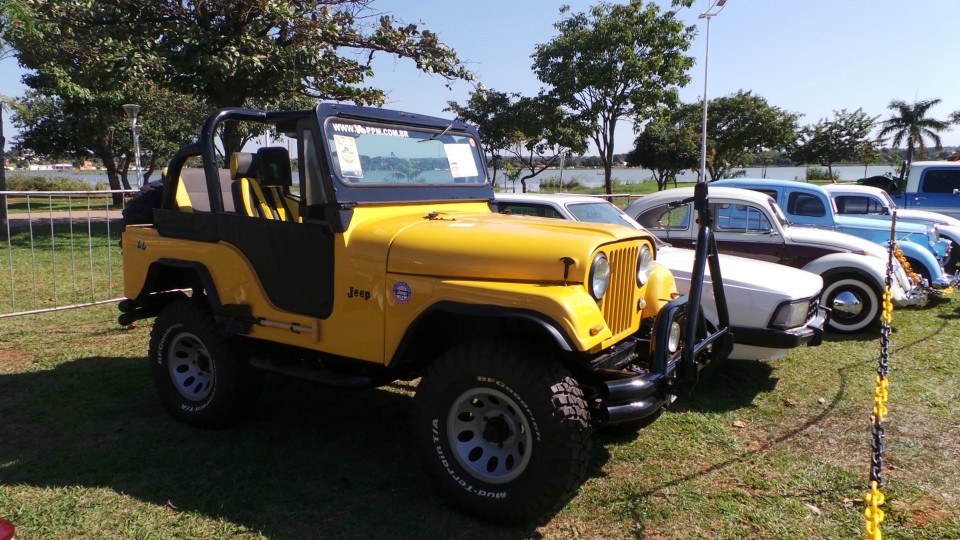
131 109
708 14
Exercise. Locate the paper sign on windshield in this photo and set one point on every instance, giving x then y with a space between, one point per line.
348 156
461 160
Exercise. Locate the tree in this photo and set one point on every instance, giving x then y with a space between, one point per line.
614 62
535 131
665 148
6 103
488 110
542 133
741 125
842 138
869 153
240 53
910 123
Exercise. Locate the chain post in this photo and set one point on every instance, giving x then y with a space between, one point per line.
875 498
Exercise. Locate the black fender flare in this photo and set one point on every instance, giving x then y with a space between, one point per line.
155 274
551 329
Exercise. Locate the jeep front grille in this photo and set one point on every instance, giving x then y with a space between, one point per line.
619 306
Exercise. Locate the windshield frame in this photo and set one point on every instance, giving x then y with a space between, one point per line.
391 192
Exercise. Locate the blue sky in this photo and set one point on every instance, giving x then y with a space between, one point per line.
810 57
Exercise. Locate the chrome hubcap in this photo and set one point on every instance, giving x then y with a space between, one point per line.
847 304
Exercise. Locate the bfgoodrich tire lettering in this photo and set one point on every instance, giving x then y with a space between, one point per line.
200 375
504 428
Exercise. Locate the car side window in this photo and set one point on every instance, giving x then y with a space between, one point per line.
856 204
804 204
666 217
940 181
740 218
528 210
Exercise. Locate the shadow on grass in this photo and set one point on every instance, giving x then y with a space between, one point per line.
311 462
734 384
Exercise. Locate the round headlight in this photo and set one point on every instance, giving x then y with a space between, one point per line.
599 276
673 341
644 265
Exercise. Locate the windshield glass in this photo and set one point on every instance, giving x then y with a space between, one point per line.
601 212
367 153
778 212
604 212
887 200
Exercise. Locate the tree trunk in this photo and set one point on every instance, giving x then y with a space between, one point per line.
112 177
3 179
909 151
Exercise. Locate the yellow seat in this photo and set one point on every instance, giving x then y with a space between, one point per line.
261 184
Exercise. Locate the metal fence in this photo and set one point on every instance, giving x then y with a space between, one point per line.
62 250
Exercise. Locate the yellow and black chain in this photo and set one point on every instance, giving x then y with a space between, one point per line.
905 264
875 498
914 276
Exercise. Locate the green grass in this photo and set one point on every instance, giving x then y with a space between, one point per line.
759 450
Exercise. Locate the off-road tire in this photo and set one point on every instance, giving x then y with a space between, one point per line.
504 428
845 322
201 375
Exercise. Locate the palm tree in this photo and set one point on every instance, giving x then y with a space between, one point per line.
911 123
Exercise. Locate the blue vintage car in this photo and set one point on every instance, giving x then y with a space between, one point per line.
811 205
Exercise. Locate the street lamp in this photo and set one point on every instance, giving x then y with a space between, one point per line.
715 8
131 109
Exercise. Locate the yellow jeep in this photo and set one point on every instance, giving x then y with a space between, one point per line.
368 252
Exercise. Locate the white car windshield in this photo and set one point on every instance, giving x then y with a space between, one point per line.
604 212
601 212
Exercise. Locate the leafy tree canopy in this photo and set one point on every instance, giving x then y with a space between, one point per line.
615 61
534 131
666 147
242 53
845 137
739 126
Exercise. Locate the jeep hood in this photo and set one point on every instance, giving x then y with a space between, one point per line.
497 246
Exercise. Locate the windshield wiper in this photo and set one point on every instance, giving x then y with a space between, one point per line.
438 135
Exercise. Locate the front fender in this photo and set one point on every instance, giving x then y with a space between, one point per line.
922 255
839 263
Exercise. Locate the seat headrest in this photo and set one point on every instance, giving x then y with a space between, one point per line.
243 165
274 164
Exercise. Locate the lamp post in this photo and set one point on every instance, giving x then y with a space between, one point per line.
131 109
715 8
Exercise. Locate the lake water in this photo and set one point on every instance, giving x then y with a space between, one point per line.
594 177
586 177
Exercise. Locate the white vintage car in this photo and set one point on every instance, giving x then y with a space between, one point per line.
751 224
773 308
